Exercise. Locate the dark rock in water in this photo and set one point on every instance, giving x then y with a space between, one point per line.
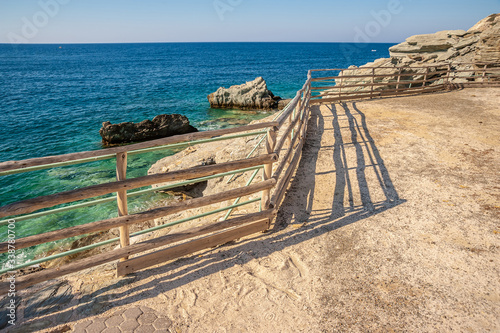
160 127
250 95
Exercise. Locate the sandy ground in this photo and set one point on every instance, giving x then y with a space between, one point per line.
391 224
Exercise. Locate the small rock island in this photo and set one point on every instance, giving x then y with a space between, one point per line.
252 95
160 127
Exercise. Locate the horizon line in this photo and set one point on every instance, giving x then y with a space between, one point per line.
189 42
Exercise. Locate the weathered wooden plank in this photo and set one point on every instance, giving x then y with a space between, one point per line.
139 217
13 165
361 76
409 91
480 84
370 67
31 205
148 260
26 281
377 84
390 92
475 70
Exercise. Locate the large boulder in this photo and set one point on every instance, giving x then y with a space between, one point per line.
439 41
161 126
250 95
435 45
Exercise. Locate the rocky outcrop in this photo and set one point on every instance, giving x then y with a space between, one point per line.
436 44
480 44
486 23
252 95
161 126
489 40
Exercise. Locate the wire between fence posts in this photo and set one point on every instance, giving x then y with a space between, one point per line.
261 139
237 200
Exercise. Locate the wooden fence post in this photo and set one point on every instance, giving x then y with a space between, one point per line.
399 80
340 87
425 76
373 82
290 136
448 74
268 168
294 114
121 198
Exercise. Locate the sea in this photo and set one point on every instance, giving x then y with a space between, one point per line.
54 99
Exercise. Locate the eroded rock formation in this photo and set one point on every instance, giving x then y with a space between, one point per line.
480 44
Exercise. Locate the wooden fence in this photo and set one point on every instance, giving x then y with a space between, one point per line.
373 82
283 137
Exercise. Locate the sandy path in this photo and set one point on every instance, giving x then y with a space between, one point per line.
391 224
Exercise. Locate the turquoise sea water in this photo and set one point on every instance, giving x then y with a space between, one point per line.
54 98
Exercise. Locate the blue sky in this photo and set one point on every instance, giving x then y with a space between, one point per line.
102 21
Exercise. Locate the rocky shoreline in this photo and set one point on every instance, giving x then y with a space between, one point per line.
458 48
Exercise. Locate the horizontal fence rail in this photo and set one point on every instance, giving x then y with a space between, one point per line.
373 82
30 205
11 167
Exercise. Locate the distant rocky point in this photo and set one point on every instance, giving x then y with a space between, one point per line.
252 95
481 43
460 48
160 127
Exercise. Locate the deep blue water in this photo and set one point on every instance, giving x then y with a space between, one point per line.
54 98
